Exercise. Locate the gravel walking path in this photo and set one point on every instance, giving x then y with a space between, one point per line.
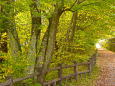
106 61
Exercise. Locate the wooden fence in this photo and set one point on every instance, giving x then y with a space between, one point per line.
90 64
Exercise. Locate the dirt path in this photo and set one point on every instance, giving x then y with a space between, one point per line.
106 61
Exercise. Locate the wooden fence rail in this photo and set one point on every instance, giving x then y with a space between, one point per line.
90 64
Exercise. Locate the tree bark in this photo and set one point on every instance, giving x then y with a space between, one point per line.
48 43
35 34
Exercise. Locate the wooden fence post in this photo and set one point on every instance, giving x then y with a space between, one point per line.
95 59
76 70
92 60
92 63
60 74
89 66
11 80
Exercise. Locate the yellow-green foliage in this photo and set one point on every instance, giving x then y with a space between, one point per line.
14 66
66 52
23 26
110 44
83 45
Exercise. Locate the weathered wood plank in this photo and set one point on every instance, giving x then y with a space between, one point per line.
50 82
68 66
24 78
5 83
54 69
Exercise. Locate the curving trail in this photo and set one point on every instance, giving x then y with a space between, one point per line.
106 61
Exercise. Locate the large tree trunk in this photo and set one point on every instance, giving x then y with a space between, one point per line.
35 35
48 43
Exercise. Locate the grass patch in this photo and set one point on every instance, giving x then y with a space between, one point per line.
88 81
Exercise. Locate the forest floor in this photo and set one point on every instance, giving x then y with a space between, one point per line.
106 62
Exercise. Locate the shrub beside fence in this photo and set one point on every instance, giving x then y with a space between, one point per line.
90 64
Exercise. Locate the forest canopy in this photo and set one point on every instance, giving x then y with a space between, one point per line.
39 34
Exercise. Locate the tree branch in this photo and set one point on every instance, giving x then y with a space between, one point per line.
80 7
74 4
76 1
89 4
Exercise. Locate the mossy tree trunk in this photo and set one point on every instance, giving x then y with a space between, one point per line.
35 34
48 44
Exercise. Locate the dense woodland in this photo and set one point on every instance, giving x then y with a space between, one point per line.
38 34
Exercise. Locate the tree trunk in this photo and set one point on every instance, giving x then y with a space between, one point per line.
48 44
35 35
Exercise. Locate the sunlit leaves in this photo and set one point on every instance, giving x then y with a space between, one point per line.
23 26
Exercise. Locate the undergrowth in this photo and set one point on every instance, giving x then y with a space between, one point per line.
88 81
